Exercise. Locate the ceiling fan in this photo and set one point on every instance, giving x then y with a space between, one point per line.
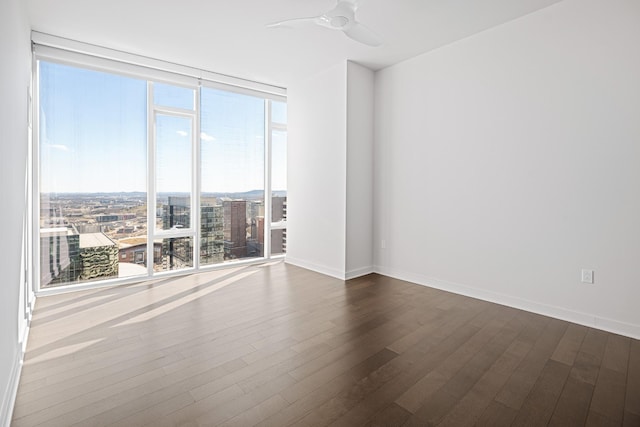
342 18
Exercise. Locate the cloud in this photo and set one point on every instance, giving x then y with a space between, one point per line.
182 133
59 147
206 137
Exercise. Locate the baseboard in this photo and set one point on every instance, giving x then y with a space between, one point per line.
617 327
358 272
328 271
10 393
609 325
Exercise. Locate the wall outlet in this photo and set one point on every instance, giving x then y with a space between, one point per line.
383 244
587 276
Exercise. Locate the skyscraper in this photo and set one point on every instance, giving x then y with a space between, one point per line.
176 214
211 233
278 214
235 229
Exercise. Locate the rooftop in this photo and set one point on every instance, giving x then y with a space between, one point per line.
92 240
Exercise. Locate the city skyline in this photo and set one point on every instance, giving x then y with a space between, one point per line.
98 237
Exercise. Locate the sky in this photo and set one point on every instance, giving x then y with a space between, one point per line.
93 136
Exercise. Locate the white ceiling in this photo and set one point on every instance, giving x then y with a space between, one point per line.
230 37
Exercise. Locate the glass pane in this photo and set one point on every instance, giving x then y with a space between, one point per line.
278 241
279 192
173 96
211 231
279 175
133 256
278 112
177 254
278 209
92 174
173 172
232 162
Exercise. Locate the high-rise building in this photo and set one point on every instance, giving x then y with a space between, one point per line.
176 252
59 256
67 256
98 256
255 210
211 234
279 235
235 229
278 208
176 214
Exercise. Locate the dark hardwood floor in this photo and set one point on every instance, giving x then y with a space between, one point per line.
277 345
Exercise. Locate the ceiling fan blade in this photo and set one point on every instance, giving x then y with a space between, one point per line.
362 34
355 4
294 23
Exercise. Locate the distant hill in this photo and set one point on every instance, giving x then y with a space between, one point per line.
253 194
249 195
128 194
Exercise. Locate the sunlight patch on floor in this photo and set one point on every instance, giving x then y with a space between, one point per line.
62 351
184 300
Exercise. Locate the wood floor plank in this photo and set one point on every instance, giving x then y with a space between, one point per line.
349 396
93 378
589 358
340 360
609 395
329 390
632 399
631 419
572 407
569 345
518 387
189 414
469 409
397 376
414 398
277 345
257 413
201 391
265 375
616 353
598 420
440 404
392 415
539 405
140 411
497 415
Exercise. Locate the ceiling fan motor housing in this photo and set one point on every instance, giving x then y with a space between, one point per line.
339 21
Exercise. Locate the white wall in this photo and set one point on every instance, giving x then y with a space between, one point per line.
360 101
507 162
15 69
316 158
330 155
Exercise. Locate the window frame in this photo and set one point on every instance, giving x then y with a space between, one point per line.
76 54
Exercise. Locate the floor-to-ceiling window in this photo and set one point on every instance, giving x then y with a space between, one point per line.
92 175
138 177
232 153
